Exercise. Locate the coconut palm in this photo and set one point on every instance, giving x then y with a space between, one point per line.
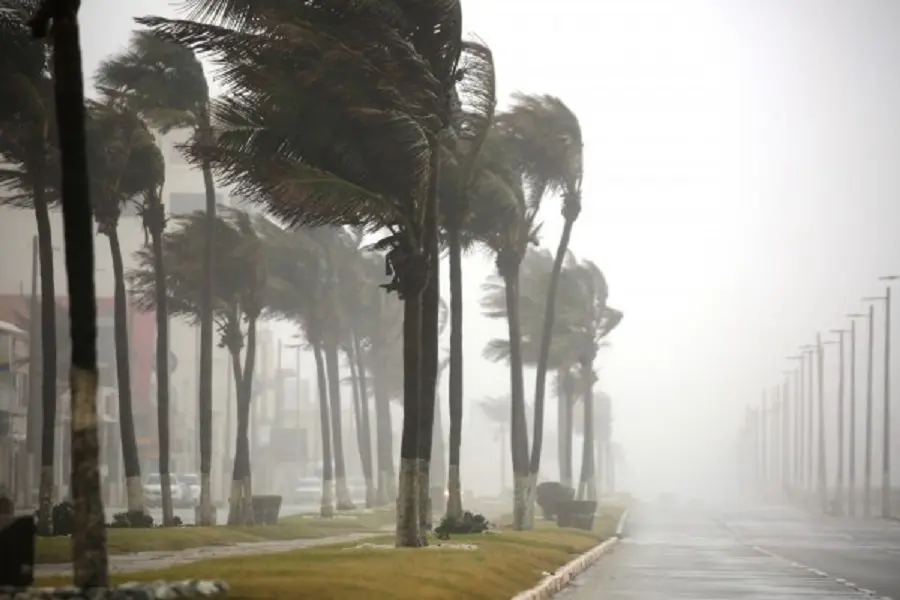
471 123
29 177
544 138
165 83
240 296
367 88
294 266
90 561
125 163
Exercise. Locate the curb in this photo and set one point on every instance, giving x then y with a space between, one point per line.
555 582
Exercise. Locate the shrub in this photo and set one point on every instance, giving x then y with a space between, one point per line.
62 518
467 524
550 495
136 519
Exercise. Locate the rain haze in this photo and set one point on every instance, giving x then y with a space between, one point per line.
739 195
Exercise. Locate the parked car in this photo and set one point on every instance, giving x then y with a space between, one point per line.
153 490
190 483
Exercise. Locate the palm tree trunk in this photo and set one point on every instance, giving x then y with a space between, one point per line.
133 489
407 502
156 219
429 368
454 483
365 423
519 426
241 510
587 485
540 381
384 440
48 342
438 459
327 506
332 366
565 477
89 557
357 419
206 333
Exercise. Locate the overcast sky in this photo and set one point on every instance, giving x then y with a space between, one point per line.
739 191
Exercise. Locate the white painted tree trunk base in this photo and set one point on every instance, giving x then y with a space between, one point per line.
326 509
423 499
134 494
407 506
520 501
344 500
370 493
454 489
530 500
206 508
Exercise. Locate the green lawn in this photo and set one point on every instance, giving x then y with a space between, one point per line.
123 541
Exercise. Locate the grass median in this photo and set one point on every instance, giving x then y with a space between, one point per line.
124 541
502 564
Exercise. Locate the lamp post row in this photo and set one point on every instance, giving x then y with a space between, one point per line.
784 437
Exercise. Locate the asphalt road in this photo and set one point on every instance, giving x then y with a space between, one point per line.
670 554
865 553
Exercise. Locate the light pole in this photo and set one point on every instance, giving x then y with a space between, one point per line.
763 437
886 417
810 350
822 475
798 422
870 401
839 484
851 459
786 434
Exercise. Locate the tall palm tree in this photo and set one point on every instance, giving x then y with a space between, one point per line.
125 162
89 527
510 242
295 266
166 84
153 214
544 137
26 112
358 146
471 123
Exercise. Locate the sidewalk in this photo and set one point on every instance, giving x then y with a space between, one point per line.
676 554
152 561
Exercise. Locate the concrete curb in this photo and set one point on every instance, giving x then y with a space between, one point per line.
559 580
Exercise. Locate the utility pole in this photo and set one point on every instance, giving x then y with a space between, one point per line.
809 435
852 454
822 479
839 491
798 424
786 435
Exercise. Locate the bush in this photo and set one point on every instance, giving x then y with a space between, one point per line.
136 519
550 495
62 518
467 524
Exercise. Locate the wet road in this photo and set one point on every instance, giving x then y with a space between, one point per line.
678 554
865 553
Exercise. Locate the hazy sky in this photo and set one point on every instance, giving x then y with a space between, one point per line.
739 186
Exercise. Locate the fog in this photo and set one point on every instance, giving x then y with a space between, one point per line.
738 195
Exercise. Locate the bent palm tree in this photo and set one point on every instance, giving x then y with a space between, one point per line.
125 162
89 526
165 83
544 137
25 145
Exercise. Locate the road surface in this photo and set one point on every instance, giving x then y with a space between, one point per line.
677 553
863 552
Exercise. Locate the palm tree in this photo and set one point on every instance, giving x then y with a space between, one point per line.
26 112
295 265
510 242
240 295
153 214
89 527
125 163
351 151
166 84
471 124
544 137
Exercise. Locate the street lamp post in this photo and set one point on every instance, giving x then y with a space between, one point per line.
839 485
822 476
851 459
886 417
798 422
786 434
762 436
810 350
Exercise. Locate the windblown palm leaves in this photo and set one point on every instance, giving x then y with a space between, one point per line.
328 113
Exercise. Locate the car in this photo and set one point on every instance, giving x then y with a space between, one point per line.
153 490
190 483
